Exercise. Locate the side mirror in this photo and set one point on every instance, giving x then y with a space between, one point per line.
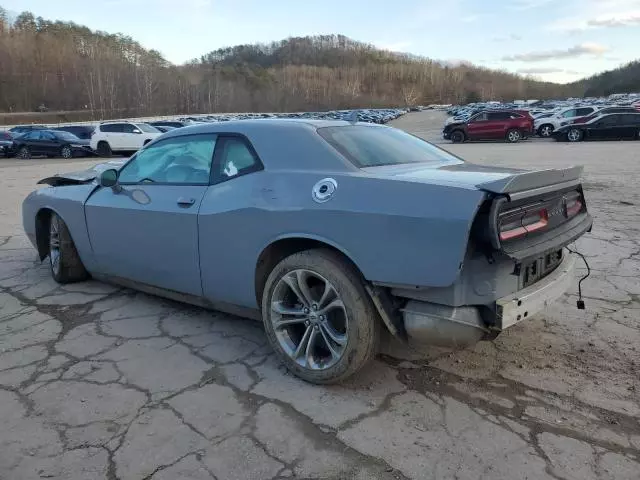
135 130
109 178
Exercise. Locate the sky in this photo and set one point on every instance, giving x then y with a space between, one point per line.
553 40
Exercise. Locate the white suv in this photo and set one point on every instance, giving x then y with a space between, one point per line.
112 137
544 127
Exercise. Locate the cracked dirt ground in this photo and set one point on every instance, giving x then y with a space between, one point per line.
99 382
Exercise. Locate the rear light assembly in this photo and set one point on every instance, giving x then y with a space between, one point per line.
521 222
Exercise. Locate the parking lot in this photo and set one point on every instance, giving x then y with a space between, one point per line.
100 382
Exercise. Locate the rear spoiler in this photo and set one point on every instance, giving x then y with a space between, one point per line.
539 182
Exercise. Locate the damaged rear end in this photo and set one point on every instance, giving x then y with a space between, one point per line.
516 263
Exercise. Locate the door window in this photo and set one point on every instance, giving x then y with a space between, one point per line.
112 128
582 112
129 128
33 135
609 121
47 136
235 157
499 116
179 160
569 113
481 117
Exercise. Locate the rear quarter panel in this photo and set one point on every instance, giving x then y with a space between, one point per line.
396 232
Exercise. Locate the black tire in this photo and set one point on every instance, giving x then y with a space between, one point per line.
513 136
104 149
545 130
24 153
362 325
457 136
66 152
66 266
575 135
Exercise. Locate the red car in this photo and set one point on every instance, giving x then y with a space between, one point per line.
509 125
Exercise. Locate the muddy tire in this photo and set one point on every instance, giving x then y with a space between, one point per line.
64 261
457 136
318 316
104 149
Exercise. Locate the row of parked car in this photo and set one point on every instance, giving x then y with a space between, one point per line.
112 137
574 123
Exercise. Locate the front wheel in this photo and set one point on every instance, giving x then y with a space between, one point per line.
513 136
574 135
318 316
24 153
64 261
457 136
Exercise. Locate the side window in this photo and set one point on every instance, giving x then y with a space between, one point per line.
609 120
481 117
47 136
498 116
33 135
569 113
181 160
234 157
111 128
129 128
515 115
581 112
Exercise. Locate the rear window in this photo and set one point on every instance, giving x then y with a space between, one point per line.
376 146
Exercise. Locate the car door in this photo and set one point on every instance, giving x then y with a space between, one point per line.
629 125
113 135
498 124
131 137
49 144
477 126
603 128
31 140
227 204
145 229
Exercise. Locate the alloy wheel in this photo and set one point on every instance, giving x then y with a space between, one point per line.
513 136
54 244
545 131
574 135
66 152
309 319
24 153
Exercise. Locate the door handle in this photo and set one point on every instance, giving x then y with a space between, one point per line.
186 202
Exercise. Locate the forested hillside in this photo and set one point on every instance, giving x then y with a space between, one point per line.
621 80
65 66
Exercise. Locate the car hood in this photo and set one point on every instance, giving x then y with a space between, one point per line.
479 177
82 176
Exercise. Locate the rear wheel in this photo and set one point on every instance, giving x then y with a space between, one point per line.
104 149
574 135
457 136
24 153
66 152
64 261
318 316
513 136
545 130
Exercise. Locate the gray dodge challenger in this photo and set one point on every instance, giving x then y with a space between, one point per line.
327 231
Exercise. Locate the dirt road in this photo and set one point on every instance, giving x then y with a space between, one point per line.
102 382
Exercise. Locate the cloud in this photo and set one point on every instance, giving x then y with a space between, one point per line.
576 51
509 38
546 71
620 20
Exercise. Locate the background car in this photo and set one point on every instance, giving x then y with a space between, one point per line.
19 129
167 123
545 126
614 126
509 125
112 137
6 141
52 143
81 131
600 112
163 128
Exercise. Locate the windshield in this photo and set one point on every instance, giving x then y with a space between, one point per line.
147 128
66 136
376 146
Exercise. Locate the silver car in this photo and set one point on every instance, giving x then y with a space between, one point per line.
327 231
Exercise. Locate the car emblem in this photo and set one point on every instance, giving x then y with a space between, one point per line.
324 190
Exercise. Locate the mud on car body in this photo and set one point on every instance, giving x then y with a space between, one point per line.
327 231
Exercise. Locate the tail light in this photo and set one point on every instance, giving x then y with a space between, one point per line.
514 224
573 204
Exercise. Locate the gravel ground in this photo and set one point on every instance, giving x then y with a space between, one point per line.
102 382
